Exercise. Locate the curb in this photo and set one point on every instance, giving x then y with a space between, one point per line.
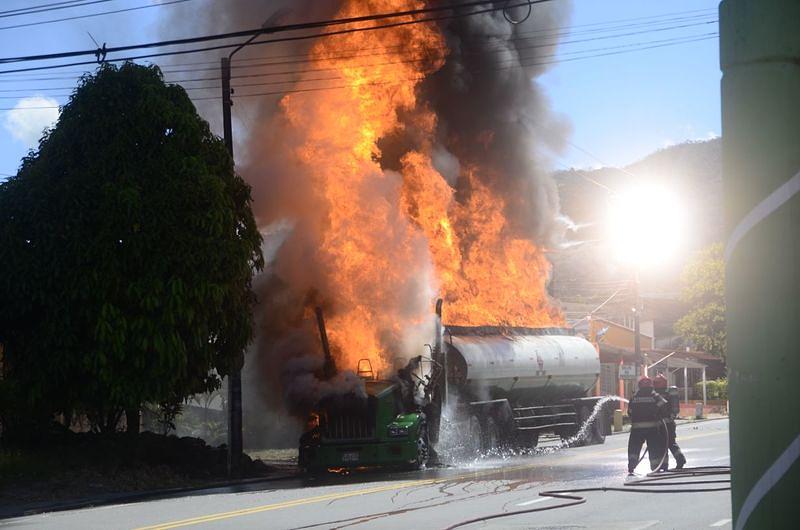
124 498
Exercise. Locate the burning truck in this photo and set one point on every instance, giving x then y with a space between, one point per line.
505 385
394 167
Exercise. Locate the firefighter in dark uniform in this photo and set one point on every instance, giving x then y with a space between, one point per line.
646 410
670 413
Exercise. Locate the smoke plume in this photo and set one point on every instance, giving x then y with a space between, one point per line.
395 166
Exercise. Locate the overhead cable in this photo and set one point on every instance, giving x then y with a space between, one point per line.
517 37
528 65
90 15
279 29
41 8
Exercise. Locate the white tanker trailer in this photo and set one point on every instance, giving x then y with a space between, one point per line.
504 385
513 383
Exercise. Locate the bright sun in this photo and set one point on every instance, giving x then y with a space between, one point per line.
646 225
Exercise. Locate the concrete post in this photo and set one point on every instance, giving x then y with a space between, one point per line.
685 385
704 387
760 61
618 420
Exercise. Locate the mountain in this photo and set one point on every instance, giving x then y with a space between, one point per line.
585 273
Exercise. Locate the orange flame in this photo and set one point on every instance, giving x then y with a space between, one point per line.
386 234
487 277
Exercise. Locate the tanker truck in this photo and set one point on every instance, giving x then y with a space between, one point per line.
502 386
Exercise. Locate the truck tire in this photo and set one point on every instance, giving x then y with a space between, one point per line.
595 432
599 429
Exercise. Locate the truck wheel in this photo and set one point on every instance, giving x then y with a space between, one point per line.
595 434
599 429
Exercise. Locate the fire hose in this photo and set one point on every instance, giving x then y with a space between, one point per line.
654 482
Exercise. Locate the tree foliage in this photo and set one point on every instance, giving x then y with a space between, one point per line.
704 291
127 247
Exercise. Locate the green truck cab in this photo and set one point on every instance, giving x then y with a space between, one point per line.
373 430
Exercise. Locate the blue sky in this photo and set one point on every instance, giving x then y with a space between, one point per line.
621 107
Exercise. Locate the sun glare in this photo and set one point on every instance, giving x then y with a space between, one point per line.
646 225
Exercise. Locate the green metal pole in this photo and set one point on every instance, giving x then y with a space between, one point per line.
760 61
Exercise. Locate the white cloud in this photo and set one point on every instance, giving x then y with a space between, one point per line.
27 121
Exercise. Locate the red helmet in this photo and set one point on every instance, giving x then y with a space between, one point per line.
660 381
645 382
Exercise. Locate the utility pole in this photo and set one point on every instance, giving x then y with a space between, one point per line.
235 444
235 377
227 103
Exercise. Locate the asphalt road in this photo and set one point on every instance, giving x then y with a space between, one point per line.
439 498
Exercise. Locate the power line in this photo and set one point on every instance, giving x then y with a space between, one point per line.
49 7
165 70
339 87
663 42
275 93
90 15
354 53
467 52
271 41
676 40
358 55
280 29
567 31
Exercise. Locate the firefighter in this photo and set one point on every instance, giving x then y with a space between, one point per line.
646 411
670 413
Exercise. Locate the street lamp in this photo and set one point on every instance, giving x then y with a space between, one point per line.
235 377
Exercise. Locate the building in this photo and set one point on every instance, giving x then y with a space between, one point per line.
620 367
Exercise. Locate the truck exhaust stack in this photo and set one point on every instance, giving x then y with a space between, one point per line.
329 368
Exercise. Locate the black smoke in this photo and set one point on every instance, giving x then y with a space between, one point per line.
491 113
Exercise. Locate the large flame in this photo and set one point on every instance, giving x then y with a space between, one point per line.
385 235
486 276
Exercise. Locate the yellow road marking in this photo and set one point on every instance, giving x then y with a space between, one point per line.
286 504
398 486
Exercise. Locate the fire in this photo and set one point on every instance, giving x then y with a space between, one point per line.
487 277
390 243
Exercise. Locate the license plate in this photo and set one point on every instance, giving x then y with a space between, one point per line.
350 457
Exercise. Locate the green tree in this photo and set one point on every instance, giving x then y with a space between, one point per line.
704 291
127 248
